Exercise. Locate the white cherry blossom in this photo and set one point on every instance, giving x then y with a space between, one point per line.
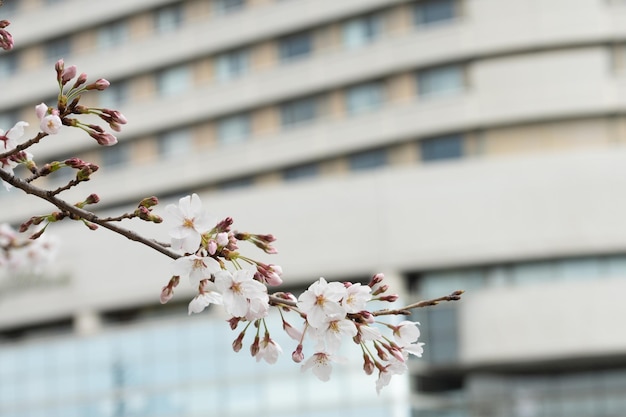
269 350
320 365
201 301
195 267
243 296
406 332
192 221
332 332
395 367
357 297
321 301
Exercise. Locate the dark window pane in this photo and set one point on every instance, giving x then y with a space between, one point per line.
298 111
301 171
364 97
295 46
431 11
168 18
228 6
115 156
8 65
443 147
368 160
57 49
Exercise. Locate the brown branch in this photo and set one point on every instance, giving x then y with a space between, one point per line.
455 296
82 214
24 145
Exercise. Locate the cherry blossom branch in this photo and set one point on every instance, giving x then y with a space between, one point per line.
24 145
455 296
78 213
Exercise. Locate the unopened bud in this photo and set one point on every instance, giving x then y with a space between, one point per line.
92 199
254 347
166 294
368 365
68 74
233 322
238 342
380 290
389 298
297 354
376 279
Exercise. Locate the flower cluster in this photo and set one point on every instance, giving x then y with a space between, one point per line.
10 157
330 312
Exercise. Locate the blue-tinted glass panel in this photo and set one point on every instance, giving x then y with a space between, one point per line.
168 19
295 46
361 31
57 49
298 111
364 97
368 160
8 65
228 6
432 11
112 35
233 129
232 64
442 147
440 81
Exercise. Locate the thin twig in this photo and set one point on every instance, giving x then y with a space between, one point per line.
24 145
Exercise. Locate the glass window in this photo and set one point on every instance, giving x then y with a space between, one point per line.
9 8
301 172
228 6
57 49
441 147
114 96
233 64
115 156
235 184
439 327
298 111
440 81
432 11
8 65
361 31
113 34
168 18
295 46
364 97
175 143
368 160
174 80
233 129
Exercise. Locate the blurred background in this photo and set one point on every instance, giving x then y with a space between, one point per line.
451 144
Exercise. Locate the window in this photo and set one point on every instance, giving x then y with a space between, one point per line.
442 147
168 19
175 143
113 34
228 6
9 8
368 160
233 129
174 80
115 156
433 11
298 111
8 65
364 97
57 49
114 96
301 172
233 64
440 81
441 328
295 46
235 184
361 31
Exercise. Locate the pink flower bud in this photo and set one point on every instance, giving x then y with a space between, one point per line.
6 39
41 110
68 74
238 342
101 84
103 138
368 365
376 279
297 354
254 347
212 247
222 239
166 294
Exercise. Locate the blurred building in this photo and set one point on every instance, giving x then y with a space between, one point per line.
452 144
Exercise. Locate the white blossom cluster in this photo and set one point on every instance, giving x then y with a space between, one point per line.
330 312
18 255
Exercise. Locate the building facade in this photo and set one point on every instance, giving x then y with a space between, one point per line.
452 144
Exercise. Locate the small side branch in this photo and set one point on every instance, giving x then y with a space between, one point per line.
455 296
